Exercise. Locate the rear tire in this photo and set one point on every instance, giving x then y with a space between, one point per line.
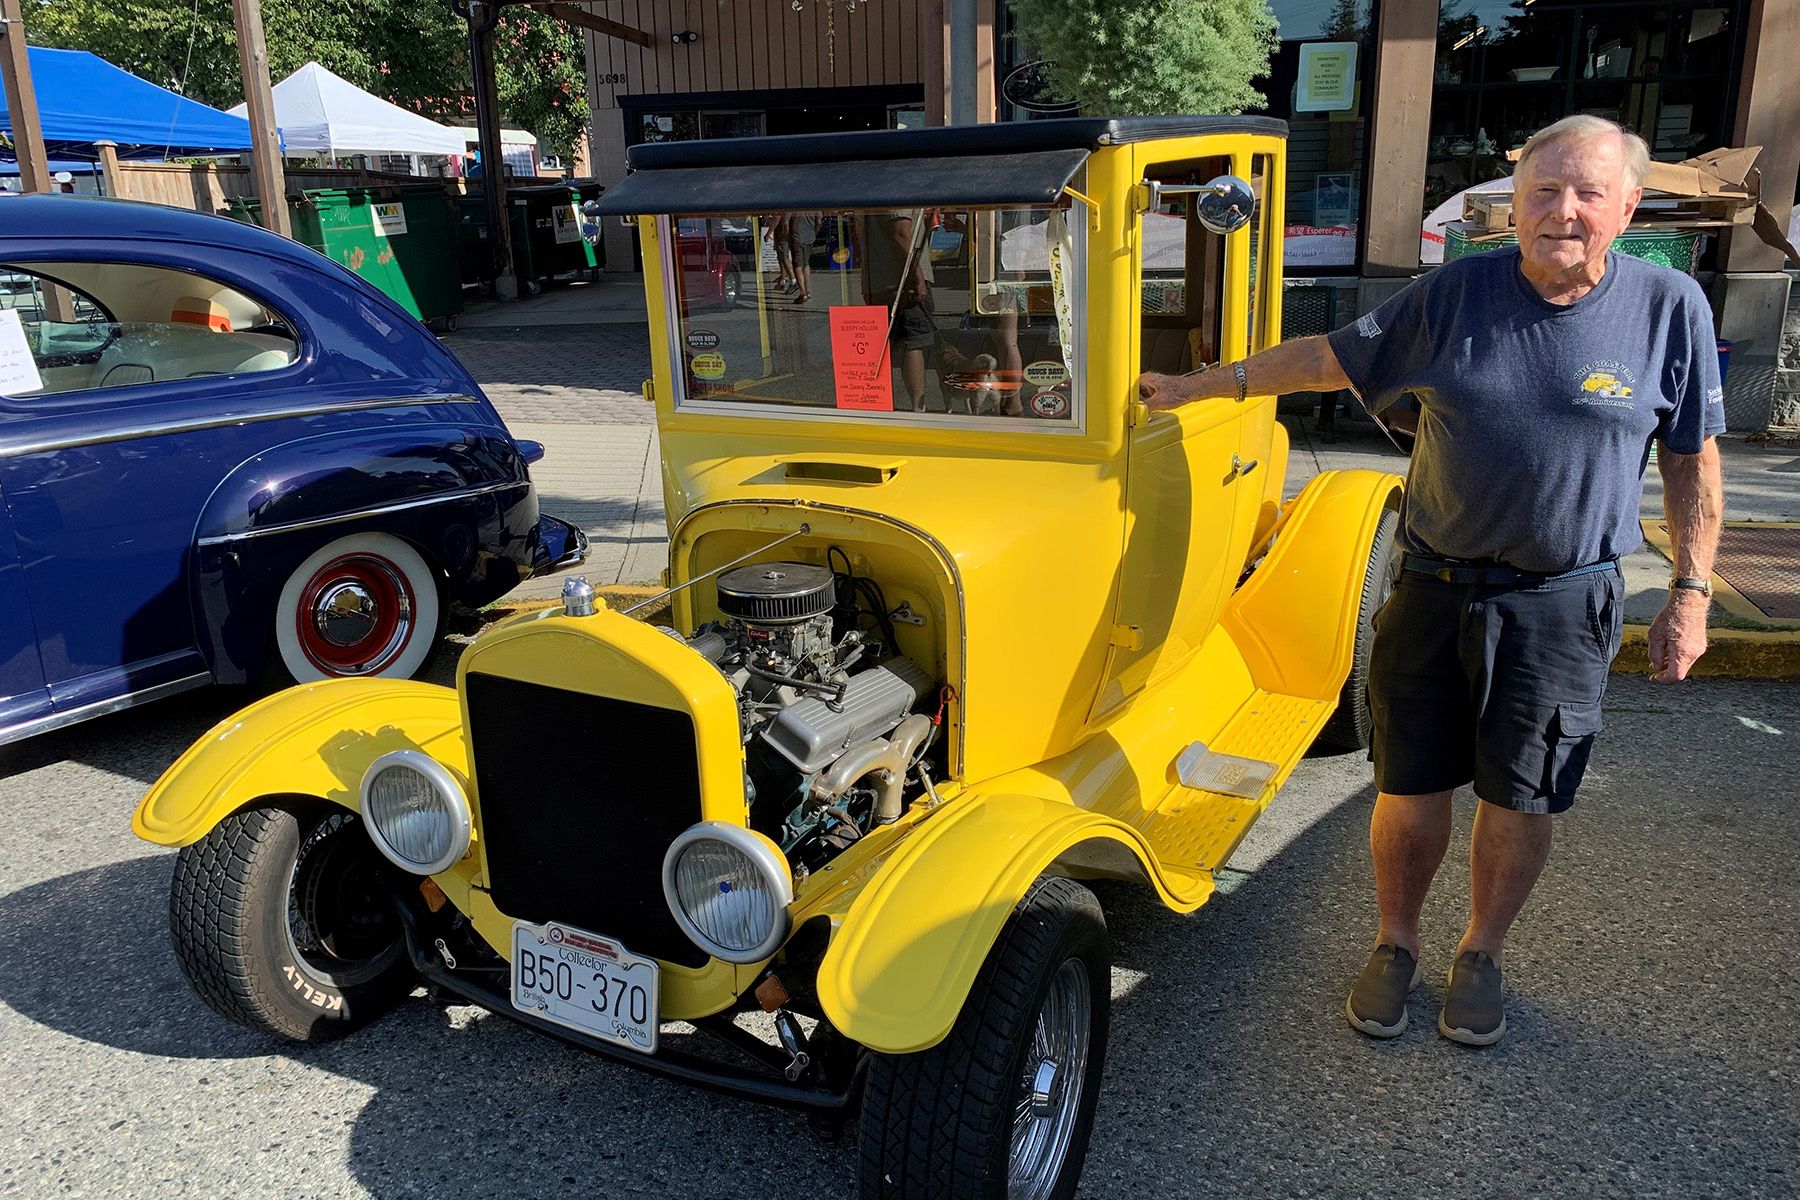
280 921
318 632
956 1121
1353 724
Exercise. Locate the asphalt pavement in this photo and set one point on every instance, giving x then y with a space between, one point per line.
1653 1052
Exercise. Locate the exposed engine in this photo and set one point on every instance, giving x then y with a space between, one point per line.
825 701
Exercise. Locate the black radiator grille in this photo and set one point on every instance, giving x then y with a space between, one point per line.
580 798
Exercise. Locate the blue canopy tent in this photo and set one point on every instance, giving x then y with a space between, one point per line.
83 99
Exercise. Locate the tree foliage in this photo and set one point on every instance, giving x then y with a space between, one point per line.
412 52
1145 57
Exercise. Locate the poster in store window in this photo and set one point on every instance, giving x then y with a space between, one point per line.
1327 80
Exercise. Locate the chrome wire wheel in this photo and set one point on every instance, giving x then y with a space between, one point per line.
1047 1105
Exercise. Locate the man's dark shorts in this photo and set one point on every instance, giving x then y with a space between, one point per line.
1495 686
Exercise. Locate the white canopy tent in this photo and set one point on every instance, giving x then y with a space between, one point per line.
319 113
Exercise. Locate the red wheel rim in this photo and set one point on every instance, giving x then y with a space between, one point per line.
355 615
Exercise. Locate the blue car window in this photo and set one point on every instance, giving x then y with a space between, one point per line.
97 325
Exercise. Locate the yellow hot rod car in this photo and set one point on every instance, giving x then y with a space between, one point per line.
954 624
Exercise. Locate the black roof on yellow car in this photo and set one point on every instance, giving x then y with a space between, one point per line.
1020 162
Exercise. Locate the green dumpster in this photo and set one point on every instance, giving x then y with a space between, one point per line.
401 239
547 239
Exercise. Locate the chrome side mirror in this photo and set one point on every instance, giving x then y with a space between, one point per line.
1225 204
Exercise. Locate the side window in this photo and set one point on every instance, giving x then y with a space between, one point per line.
105 325
1183 273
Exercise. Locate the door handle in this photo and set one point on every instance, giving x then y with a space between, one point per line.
1241 468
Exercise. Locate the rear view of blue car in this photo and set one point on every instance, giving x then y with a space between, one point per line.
223 456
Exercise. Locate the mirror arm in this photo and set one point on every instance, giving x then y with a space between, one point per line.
1153 192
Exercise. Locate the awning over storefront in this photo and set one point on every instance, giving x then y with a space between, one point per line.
967 180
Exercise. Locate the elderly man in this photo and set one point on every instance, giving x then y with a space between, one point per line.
1543 374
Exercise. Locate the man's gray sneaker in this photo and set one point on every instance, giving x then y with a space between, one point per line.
1377 1004
1473 1013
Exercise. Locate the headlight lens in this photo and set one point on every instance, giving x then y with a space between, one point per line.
729 890
415 811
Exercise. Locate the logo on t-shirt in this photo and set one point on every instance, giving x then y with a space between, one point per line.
1608 384
1369 327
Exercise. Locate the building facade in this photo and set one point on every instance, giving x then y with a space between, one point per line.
1394 107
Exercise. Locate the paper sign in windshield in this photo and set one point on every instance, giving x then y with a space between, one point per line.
859 357
18 369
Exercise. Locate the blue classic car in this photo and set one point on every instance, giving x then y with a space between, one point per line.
223 456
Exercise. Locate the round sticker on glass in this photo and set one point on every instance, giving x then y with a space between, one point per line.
1050 405
709 366
702 339
1046 373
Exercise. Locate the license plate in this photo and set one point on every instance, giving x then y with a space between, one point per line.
585 981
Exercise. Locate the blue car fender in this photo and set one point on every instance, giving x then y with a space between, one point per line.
455 491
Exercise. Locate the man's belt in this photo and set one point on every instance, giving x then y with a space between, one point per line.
1490 574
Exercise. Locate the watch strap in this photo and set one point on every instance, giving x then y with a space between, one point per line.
1243 381
1692 584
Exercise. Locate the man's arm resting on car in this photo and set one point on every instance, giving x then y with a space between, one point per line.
1305 364
1693 503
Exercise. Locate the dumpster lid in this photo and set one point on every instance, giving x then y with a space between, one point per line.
948 181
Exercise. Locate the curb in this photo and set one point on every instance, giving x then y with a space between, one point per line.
1738 653
616 595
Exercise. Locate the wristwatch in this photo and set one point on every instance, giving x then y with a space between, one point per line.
1689 583
1243 382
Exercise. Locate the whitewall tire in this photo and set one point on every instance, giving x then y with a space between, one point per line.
364 606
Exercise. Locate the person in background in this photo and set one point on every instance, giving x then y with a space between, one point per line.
803 228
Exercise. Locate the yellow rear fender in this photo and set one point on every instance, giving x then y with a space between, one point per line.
317 739
906 953
1294 621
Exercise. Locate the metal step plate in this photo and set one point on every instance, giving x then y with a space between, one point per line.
1198 767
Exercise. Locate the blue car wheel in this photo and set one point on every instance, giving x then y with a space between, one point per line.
363 606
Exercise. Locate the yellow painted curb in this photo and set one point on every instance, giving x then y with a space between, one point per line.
1739 653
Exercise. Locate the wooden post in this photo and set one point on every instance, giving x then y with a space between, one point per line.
259 105
1405 57
1771 77
15 72
109 168
483 16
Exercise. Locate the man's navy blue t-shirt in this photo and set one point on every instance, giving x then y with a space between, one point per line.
1537 417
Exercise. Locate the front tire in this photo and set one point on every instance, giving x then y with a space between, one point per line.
1004 1105
281 922
1352 726
363 606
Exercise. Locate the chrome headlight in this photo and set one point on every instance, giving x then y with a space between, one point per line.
416 812
729 890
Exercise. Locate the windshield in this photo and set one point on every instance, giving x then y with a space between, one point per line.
937 315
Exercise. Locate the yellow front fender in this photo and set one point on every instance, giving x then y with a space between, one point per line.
315 740
903 960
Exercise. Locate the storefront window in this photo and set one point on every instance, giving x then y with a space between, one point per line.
1318 83
1506 68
